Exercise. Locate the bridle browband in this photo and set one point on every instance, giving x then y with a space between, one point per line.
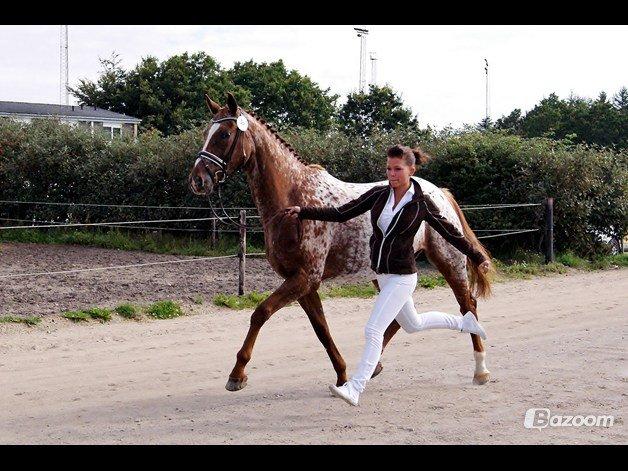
241 126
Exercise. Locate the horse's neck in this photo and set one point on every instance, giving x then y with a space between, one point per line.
274 174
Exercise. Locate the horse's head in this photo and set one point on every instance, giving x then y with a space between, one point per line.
228 146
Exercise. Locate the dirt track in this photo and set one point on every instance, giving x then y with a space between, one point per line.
554 342
56 293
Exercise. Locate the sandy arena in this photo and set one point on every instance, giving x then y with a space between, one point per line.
556 342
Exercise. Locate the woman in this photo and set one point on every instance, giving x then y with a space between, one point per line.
397 210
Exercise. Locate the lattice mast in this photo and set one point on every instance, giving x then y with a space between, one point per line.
373 69
362 34
64 95
488 111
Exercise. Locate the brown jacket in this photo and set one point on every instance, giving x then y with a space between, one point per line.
392 252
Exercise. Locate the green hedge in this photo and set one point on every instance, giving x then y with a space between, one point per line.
46 161
589 185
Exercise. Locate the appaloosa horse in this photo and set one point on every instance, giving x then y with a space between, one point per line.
306 252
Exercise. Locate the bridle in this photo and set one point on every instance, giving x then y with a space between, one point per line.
242 125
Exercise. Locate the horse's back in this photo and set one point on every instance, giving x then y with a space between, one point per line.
348 251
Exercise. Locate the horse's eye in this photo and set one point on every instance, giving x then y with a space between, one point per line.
224 135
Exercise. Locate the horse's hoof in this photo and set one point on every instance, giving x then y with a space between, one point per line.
378 369
235 384
481 378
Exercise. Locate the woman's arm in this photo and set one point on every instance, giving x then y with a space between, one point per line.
345 212
450 232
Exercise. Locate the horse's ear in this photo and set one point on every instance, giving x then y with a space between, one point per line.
211 104
232 104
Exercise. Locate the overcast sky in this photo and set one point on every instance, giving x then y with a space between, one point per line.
438 70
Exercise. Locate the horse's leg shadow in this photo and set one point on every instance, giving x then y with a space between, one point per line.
311 304
290 290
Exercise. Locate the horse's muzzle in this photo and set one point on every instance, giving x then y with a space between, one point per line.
201 184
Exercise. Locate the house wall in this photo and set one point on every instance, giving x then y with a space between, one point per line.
127 129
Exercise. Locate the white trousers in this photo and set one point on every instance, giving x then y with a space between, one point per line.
394 302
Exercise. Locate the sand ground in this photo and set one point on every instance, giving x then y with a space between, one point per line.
556 342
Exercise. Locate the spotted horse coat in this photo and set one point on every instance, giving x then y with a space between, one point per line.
306 253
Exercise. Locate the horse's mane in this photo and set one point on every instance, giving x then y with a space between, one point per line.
274 133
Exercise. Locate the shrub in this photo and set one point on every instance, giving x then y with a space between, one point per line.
48 161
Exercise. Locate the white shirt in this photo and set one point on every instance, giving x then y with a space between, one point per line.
388 212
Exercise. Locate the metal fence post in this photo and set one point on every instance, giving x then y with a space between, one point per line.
242 252
549 230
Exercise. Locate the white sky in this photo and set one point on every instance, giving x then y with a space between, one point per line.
438 70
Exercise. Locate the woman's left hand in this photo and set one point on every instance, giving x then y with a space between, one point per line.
485 266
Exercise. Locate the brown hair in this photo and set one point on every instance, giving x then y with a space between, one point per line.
409 155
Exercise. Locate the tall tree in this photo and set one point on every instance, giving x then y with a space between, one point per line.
592 121
486 124
167 96
284 97
108 91
511 123
620 100
379 109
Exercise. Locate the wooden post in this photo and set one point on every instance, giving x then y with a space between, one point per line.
242 252
214 235
549 230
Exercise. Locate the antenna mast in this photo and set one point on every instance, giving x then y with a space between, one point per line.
64 97
362 34
373 69
487 106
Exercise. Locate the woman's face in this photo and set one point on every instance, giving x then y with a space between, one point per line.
398 172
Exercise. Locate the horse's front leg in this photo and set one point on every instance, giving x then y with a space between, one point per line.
290 290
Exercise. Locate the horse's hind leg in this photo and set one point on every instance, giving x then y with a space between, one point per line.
452 265
311 304
290 290
391 330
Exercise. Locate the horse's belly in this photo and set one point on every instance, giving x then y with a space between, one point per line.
349 252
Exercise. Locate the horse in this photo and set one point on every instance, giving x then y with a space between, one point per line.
304 253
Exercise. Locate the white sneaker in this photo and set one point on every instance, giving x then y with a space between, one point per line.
345 392
471 325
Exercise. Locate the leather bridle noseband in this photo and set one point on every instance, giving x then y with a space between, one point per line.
207 157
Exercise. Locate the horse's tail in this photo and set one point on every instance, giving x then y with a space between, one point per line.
480 282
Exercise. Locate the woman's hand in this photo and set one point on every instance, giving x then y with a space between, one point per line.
485 266
292 210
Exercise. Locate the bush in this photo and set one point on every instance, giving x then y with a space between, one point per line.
48 161
589 186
